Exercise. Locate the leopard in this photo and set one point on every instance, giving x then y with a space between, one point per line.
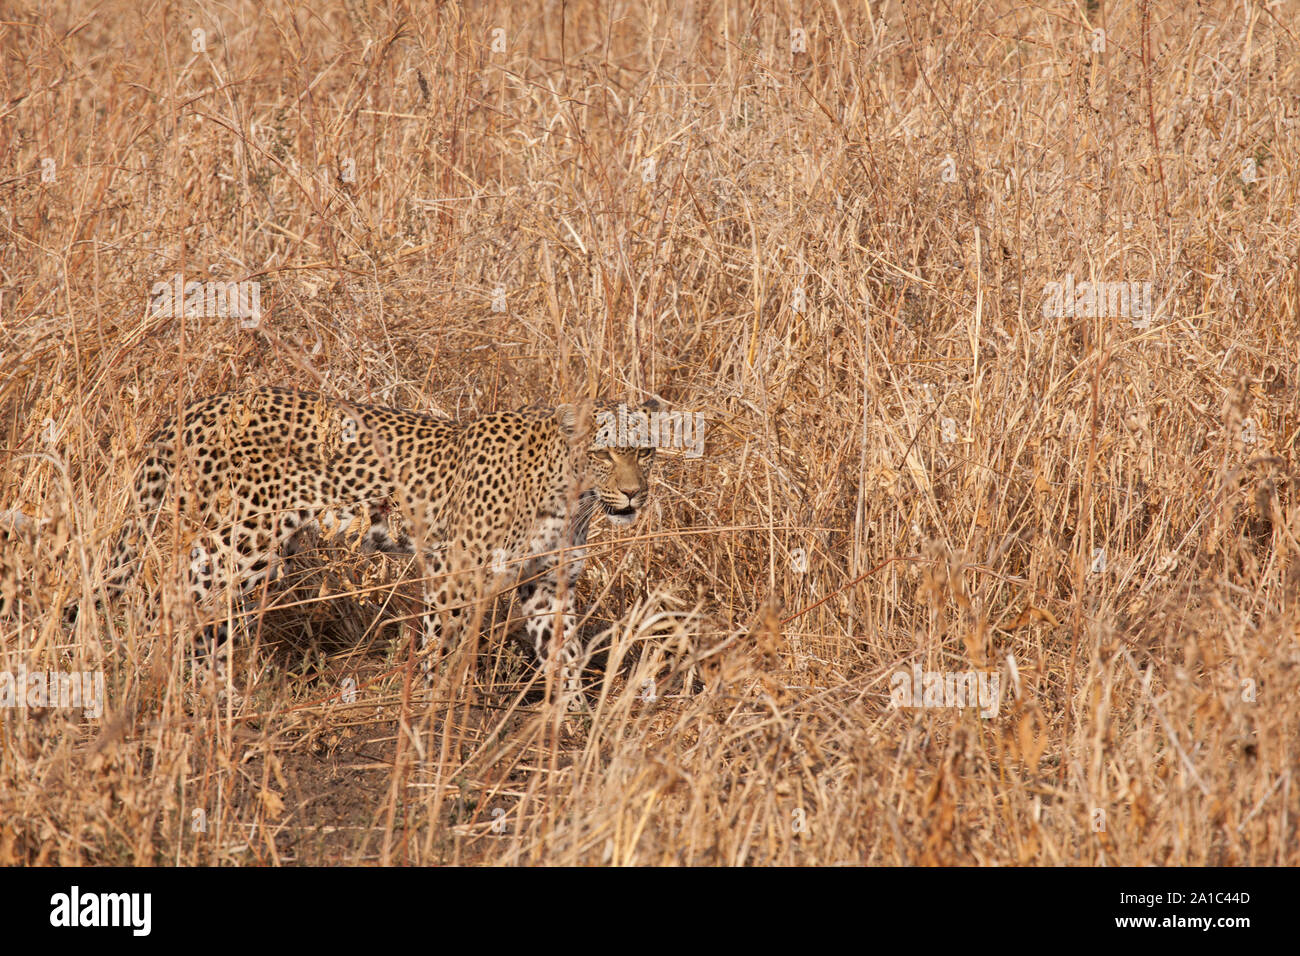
490 503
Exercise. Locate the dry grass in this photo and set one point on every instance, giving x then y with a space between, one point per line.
840 257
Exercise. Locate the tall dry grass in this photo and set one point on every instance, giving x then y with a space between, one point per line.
840 256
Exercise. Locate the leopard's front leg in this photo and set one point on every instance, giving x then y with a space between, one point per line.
547 586
543 607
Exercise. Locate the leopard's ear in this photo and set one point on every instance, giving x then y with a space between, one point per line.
567 416
650 405
574 417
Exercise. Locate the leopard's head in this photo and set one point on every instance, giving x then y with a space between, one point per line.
619 457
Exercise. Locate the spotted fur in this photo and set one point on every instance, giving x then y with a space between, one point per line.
502 500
